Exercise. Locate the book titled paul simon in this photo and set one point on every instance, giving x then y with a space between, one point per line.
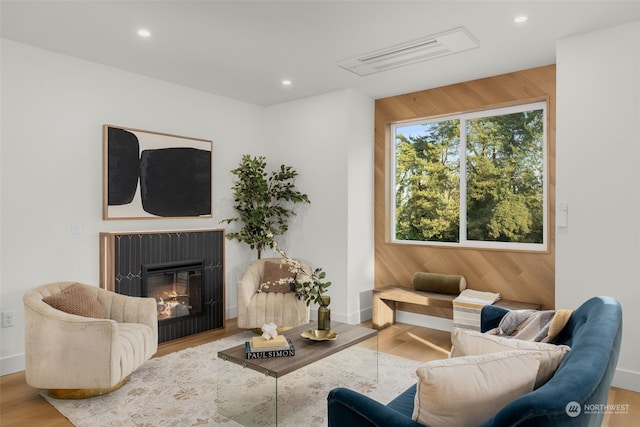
286 351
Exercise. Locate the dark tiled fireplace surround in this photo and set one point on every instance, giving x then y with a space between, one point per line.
126 258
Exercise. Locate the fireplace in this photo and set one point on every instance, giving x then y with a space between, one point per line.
176 287
182 270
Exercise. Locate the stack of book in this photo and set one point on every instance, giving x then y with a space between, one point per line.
260 348
468 305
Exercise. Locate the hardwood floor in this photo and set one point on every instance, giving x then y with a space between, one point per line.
21 405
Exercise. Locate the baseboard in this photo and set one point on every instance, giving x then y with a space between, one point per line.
364 315
231 312
12 364
354 318
424 320
628 380
351 319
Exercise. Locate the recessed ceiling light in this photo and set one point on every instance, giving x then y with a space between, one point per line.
520 19
286 82
144 33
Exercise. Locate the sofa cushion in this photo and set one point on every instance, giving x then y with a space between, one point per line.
76 300
277 278
465 342
465 391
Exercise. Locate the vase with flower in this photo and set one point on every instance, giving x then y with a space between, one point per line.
324 314
310 290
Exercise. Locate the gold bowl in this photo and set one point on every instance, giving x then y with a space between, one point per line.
319 335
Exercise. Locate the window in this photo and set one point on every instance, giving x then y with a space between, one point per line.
475 179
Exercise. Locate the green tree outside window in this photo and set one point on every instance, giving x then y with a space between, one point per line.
495 169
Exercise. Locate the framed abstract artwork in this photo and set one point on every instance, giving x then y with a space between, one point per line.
150 175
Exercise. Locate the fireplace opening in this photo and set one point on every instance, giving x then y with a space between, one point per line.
176 287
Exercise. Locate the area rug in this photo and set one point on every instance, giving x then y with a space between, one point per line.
179 389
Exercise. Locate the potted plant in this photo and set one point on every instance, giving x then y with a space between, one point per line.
262 201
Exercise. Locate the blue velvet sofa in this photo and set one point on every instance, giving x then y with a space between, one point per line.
593 332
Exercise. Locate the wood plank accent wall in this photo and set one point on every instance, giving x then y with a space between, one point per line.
518 276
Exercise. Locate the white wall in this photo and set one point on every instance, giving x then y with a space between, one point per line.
328 139
53 109
360 229
598 147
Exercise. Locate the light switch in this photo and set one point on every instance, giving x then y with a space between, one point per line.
76 230
563 214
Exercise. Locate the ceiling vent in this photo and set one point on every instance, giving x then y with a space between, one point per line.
435 46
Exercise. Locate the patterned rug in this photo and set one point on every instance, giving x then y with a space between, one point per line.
180 389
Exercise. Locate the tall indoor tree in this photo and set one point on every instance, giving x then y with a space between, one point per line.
263 202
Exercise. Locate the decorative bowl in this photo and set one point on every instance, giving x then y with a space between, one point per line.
319 335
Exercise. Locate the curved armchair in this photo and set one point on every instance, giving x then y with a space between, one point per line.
257 308
76 356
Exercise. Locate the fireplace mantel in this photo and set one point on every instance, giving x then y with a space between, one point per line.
123 255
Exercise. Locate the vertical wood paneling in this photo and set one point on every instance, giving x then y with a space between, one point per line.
519 276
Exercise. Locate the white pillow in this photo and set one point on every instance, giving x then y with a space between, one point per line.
466 391
465 342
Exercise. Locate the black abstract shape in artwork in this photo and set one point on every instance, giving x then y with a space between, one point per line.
123 166
176 181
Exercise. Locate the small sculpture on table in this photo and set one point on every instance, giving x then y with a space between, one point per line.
269 331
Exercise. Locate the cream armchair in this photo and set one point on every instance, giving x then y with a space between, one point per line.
257 308
76 356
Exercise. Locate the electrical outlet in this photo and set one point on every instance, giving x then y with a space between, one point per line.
8 319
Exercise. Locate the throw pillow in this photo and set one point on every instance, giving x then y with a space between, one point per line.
466 342
466 391
439 283
277 278
76 300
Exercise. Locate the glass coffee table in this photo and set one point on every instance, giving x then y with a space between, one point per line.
248 389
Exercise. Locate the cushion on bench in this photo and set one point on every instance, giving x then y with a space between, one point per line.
439 283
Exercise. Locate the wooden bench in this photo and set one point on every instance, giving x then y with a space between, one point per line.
385 300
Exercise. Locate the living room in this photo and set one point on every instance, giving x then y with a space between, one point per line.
54 105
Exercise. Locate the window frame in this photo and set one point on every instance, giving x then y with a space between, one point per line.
463 117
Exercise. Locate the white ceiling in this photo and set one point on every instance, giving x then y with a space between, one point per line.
243 49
